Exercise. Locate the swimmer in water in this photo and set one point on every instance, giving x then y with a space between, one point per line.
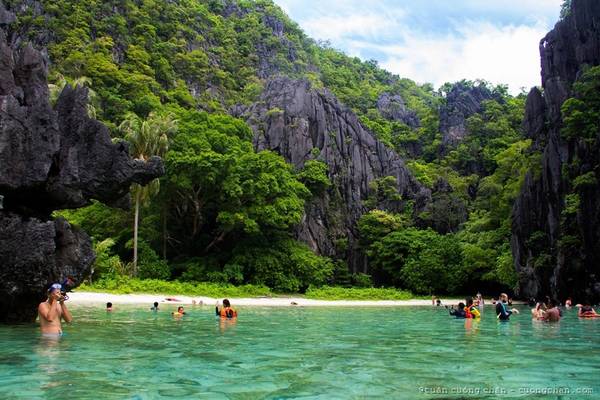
502 313
179 312
568 302
586 311
226 311
537 312
552 313
53 310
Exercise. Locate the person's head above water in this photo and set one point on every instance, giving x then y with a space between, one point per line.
469 301
503 297
156 304
109 306
226 303
461 305
54 287
179 309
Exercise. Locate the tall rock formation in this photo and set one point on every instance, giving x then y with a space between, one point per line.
302 123
50 158
392 107
557 252
462 101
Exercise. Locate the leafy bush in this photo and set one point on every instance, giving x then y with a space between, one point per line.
419 260
338 293
314 176
107 264
285 266
362 280
125 285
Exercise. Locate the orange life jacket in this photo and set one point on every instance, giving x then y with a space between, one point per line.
468 312
228 312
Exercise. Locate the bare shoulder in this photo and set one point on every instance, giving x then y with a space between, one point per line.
43 306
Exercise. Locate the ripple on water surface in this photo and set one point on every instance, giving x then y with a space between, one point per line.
285 353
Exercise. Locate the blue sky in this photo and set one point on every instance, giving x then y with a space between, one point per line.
436 41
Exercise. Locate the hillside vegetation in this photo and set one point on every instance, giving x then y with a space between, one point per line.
225 213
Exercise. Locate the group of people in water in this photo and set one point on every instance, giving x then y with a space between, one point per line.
54 309
546 310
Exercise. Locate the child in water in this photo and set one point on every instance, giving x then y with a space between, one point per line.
179 312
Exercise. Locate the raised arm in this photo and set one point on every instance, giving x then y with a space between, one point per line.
66 314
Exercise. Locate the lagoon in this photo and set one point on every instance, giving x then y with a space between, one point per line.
309 353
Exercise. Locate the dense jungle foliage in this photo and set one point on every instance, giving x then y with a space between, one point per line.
225 213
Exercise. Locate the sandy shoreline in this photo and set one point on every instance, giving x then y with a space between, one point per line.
148 299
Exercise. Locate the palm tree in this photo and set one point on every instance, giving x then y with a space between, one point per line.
149 137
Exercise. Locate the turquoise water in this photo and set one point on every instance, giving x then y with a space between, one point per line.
284 353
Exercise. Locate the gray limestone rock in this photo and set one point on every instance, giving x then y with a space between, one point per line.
392 107
50 159
462 101
302 123
545 265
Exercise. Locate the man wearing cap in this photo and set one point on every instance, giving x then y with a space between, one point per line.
52 310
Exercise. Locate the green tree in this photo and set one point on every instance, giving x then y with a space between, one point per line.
147 138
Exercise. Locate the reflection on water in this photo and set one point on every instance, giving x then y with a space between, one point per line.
294 353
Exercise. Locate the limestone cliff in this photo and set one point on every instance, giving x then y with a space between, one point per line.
50 158
461 102
547 259
302 123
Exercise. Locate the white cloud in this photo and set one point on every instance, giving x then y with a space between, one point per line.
524 6
367 25
335 28
507 54
423 42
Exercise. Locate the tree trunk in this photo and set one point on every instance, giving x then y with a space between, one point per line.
135 230
164 241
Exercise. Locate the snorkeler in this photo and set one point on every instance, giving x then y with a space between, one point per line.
501 311
52 310
226 311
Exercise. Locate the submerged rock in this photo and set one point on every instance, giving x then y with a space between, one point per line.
50 158
547 259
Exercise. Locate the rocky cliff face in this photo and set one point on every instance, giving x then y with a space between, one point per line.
392 107
50 158
462 101
547 259
301 123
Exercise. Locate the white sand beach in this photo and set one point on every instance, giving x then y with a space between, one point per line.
89 298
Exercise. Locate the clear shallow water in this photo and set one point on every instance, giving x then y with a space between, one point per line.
284 353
